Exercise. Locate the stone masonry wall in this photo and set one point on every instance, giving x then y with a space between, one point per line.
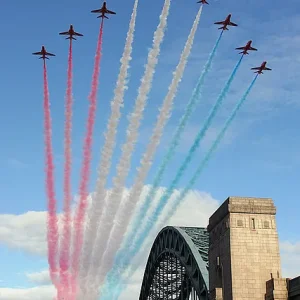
243 234
254 254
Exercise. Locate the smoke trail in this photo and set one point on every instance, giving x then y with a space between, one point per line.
111 289
83 189
52 228
127 206
167 194
194 100
127 149
217 141
64 259
180 198
107 151
136 244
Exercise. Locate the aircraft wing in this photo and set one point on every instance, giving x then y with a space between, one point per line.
50 54
257 68
64 33
232 24
77 34
37 53
110 12
220 23
268 69
96 11
254 49
240 48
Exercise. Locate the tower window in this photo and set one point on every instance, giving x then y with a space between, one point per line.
253 223
240 223
266 224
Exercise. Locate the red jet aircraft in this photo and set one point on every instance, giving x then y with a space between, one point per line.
44 53
70 33
225 23
203 2
246 48
261 68
103 10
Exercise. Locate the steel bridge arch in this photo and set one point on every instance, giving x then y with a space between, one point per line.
177 266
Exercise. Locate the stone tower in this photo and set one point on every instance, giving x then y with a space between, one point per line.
244 249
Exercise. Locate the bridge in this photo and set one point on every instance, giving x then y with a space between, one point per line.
235 257
178 265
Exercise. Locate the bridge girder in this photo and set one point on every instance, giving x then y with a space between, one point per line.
177 266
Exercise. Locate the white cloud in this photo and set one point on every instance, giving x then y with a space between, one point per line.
26 231
36 293
290 258
39 278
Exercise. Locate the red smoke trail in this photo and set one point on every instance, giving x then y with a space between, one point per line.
52 228
64 258
85 171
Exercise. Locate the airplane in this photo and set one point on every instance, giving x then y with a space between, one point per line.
203 2
246 48
226 23
103 10
261 68
71 32
44 53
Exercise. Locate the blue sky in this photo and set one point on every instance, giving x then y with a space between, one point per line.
259 155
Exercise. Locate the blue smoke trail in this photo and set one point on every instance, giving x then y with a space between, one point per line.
167 194
217 141
124 256
182 195
112 289
196 95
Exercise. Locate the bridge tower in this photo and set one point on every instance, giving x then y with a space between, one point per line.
244 251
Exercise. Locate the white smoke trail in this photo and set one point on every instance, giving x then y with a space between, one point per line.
127 149
128 205
97 205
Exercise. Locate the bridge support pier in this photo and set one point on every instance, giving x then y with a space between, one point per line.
216 294
244 249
